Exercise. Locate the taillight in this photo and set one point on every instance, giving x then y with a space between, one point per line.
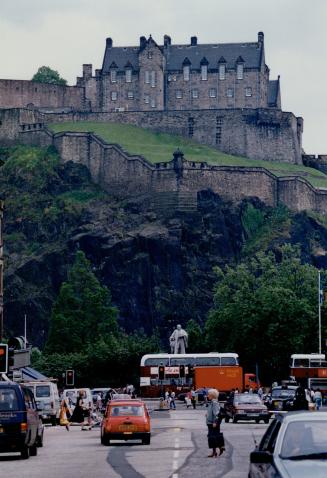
23 427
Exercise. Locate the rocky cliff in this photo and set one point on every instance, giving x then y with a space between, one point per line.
158 263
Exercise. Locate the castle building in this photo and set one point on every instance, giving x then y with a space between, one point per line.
149 77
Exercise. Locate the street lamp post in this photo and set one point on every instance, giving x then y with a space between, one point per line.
319 311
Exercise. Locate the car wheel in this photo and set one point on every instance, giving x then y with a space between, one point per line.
105 440
257 420
54 421
266 420
234 420
226 419
146 440
25 452
33 450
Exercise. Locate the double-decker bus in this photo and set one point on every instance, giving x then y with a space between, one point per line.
218 370
310 370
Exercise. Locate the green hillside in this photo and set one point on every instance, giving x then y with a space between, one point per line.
157 147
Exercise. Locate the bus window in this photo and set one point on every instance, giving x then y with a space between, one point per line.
174 362
207 361
228 361
301 362
155 362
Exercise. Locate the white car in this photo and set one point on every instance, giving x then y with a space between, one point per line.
47 399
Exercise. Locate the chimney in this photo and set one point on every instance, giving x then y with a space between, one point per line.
109 42
194 41
142 42
87 71
260 37
167 40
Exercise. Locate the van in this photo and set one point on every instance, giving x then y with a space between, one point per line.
21 429
47 399
71 394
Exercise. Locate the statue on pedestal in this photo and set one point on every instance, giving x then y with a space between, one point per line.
178 341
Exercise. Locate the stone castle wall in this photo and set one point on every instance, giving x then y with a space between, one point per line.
125 175
262 134
21 94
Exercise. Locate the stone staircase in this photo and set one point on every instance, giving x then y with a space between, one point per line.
174 201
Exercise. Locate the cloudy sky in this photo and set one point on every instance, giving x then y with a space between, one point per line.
64 34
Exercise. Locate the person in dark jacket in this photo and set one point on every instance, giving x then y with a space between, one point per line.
300 401
78 413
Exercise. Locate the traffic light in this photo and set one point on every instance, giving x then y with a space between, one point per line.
161 372
182 371
3 358
70 377
191 371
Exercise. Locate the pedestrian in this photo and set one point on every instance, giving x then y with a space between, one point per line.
167 398
64 414
213 423
260 392
172 401
300 401
98 403
193 398
78 413
188 400
318 398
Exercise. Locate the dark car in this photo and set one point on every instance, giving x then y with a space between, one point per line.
245 406
281 398
294 446
21 429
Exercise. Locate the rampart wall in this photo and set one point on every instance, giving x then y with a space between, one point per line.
23 93
125 175
263 134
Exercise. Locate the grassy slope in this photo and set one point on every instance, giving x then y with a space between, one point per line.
157 147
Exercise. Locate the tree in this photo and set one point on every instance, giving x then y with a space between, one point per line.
265 310
196 341
46 75
82 313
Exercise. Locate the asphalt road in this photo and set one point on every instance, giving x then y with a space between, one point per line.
178 450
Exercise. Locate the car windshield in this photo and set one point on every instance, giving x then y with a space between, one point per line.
305 440
124 410
42 391
8 400
283 393
247 398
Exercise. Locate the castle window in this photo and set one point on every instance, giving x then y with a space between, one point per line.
179 94
153 103
35 89
222 72
186 72
153 79
147 77
149 54
130 95
248 91
146 99
190 127
128 75
195 93
230 92
204 72
114 96
240 71
113 76
212 93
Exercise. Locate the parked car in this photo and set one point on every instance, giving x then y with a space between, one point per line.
96 391
281 398
47 399
245 406
126 420
21 429
294 445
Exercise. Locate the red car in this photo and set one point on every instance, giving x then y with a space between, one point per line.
126 420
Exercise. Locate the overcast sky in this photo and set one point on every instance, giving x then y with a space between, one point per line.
64 34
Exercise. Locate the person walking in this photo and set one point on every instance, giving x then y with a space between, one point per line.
78 413
64 414
193 398
318 398
172 401
213 424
